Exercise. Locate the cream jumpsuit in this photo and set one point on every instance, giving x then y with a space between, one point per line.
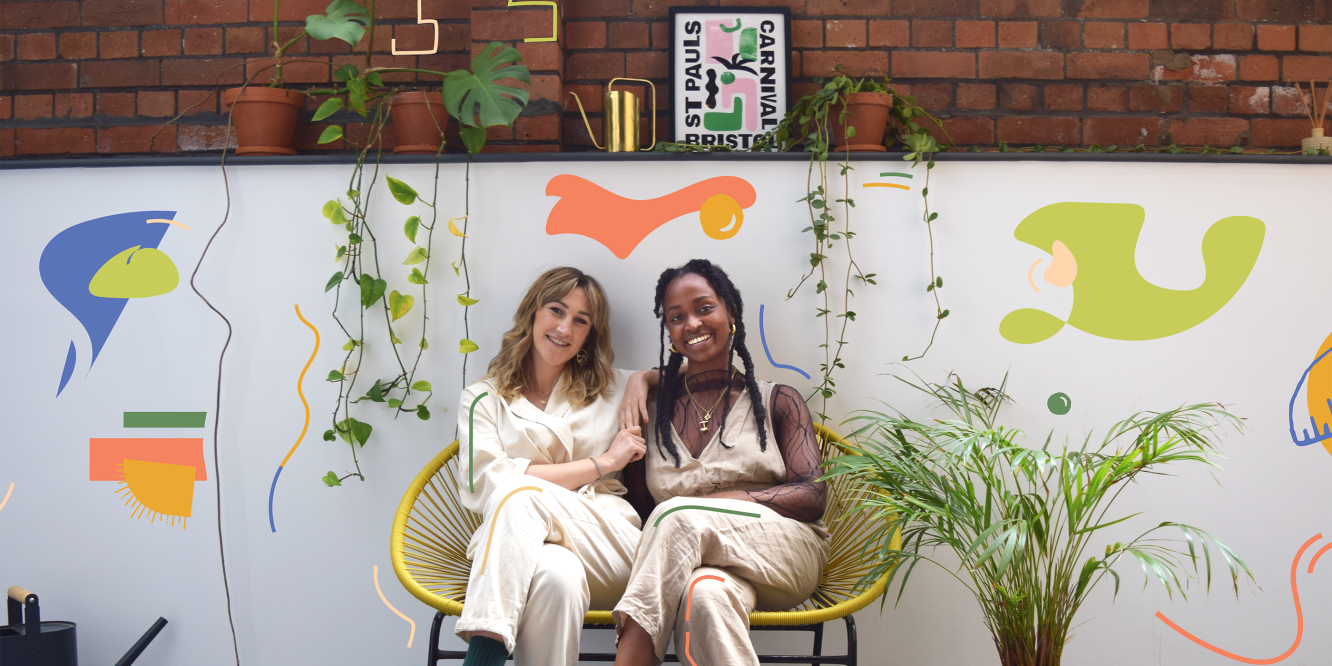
703 564
544 554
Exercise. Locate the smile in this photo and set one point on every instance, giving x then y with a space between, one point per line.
699 340
557 343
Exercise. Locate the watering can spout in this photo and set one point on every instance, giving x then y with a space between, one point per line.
620 118
142 644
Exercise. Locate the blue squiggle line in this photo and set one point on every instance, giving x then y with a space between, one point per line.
270 499
1290 412
764 338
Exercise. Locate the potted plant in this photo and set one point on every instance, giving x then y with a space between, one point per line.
1021 519
860 116
419 121
265 117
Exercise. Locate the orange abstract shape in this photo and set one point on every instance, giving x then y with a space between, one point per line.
396 611
493 518
105 455
689 606
1299 616
1320 391
1063 267
619 223
158 489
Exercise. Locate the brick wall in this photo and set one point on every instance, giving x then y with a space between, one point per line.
101 76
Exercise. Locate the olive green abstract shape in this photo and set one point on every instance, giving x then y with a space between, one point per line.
135 273
749 44
1111 299
726 121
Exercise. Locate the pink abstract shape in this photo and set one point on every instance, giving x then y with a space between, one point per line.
719 43
748 88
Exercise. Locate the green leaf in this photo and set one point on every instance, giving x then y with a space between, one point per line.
413 223
331 480
466 346
329 436
455 269
421 385
416 256
333 281
465 301
357 91
330 134
476 95
334 376
938 281
342 251
942 314
394 403
351 344
344 74
328 108
423 344
422 413
353 239
394 337
376 392
332 205
400 305
350 428
417 277
352 194
344 19
340 217
402 192
371 290
474 138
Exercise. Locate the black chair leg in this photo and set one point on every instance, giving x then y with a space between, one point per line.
851 648
432 653
818 642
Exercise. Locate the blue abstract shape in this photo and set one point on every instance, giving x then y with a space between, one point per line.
763 337
271 525
70 260
1290 411
69 367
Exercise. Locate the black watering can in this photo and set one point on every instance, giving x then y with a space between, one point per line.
27 641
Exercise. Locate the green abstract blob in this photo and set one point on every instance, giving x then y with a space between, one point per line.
135 273
730 28
726 121
727 77
1111 298
1059 404
749 44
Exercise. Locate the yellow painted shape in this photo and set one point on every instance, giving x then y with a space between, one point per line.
1063 267
138 272
491 535
161 487
554 17
892 185
1319 390
717 213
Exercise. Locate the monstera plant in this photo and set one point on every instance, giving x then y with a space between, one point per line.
477 99
1023 520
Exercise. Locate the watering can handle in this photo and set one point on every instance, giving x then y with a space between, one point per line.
652 111
19 594
585 121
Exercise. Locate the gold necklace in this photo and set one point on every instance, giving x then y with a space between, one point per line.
707 413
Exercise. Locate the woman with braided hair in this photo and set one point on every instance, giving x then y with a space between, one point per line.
732 466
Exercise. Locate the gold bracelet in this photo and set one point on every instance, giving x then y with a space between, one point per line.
598 466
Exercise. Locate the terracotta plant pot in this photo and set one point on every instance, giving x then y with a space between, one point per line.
265 119
416 124
868 113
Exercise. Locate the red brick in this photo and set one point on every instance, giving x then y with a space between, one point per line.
242 40
542 56
41 76
1018 96
546 86
539 128
1113 9
443 62
1045 131
975 34
648 65
203 41
1208 99
933 96
593 9
73 105
1280 133
120 74
211 12
1232 36
33 141
138 139
1122 131
959 8
1208 131
37 46
186 101
1316 38
931 34
854 63
1259 68
6 143
1107 98
1194 10
628 35
115 13
804 34
1205 69
1156 98
889 33
1018 34
514 24
967 130
975 96
1190 35
1277 10
1063 98
1021 65
158 43
7 48
122 44
38 15
1061 35
661 32
589 95
585 35
192 138
157 103
261 11
1022 8
1306 68
1276 38
846 7
595 66
933 65
6 107
1251 100
31 107
1107 65
1103 35
203 72
115 104
1147 36
1289 101
846 34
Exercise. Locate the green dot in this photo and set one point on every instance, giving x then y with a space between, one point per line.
727 77
1059 404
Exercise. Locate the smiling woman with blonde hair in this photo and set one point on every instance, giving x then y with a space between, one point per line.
544 449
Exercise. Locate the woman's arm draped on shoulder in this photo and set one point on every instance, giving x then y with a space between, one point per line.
483 461
803 496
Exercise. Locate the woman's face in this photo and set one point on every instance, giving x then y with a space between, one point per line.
697 319
560 328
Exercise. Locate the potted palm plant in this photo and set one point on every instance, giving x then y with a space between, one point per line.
1022 520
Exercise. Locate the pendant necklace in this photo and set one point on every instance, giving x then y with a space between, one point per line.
707 413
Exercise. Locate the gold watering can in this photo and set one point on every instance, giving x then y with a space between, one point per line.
620 114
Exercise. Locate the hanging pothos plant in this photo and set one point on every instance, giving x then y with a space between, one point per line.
809 126
477 100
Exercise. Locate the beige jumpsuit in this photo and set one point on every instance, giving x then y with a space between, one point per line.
703 564
544 554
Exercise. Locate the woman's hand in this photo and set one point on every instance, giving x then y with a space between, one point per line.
633 408
627 447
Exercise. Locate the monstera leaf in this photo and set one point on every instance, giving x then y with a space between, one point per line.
344 19
476 93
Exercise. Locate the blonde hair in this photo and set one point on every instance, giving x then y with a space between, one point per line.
512 369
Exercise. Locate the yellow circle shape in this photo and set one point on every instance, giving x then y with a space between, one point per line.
716 215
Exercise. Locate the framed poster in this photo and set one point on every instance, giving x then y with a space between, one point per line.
730 73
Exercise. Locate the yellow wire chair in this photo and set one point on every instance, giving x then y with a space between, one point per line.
432 529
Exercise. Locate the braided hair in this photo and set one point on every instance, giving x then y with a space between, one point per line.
668 388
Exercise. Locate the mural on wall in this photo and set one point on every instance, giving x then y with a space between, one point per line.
892 174
1318 399
93 268
397 612
620 223
272 526
9 492
1092 247
155 476
763 337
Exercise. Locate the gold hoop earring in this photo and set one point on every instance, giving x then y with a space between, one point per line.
733 328
582 356
673 349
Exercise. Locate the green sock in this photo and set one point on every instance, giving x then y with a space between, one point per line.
482 651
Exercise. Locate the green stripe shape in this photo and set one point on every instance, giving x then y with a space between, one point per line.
471 418
704 508
165 419
895 173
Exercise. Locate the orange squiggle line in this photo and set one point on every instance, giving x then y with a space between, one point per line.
1311 562
7 493
162 221
691 659
1029 280
490 536
1299 617
689 606
300 380
386 603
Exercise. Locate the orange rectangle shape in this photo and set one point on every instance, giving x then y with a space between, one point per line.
105 454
